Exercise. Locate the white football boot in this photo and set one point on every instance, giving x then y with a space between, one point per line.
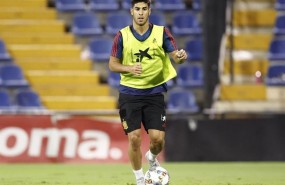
140 181
152 163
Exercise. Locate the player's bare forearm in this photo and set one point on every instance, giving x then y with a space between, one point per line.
179 56
115 65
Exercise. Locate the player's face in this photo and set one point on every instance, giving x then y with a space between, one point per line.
140 13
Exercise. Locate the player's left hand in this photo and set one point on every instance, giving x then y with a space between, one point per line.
181 55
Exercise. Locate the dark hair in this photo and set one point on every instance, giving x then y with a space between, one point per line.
140 1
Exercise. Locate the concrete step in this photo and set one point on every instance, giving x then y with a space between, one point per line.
18 38
255 18
247 67
79 102
33 50
23 3
55 65
62 77
28 13
72 90
32 26
253 41
237 92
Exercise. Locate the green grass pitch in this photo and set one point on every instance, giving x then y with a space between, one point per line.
197 173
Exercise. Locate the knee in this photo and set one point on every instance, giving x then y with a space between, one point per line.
157 141
135 141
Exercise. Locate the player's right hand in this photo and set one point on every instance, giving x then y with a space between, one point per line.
136 69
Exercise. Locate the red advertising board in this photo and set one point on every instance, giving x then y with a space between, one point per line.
39 138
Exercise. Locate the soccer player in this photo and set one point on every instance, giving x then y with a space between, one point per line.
140 53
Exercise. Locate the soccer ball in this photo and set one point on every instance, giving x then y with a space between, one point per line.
157 176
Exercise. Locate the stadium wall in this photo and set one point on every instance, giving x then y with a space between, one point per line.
63 139
57 139
226 140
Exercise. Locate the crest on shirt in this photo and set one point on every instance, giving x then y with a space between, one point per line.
141 54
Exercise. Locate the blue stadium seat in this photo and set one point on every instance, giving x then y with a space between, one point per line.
104 5
4 54
275 75
86 24
157 18
28 98
181 101
169 5
170 83
12 76
100 49
4 99
127 4
196 4
276 50
70 5
279 28
28 101
280 5
194 49
190 75
117 21
185 23
114 79
6 104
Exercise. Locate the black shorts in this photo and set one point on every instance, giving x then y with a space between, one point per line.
147 110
